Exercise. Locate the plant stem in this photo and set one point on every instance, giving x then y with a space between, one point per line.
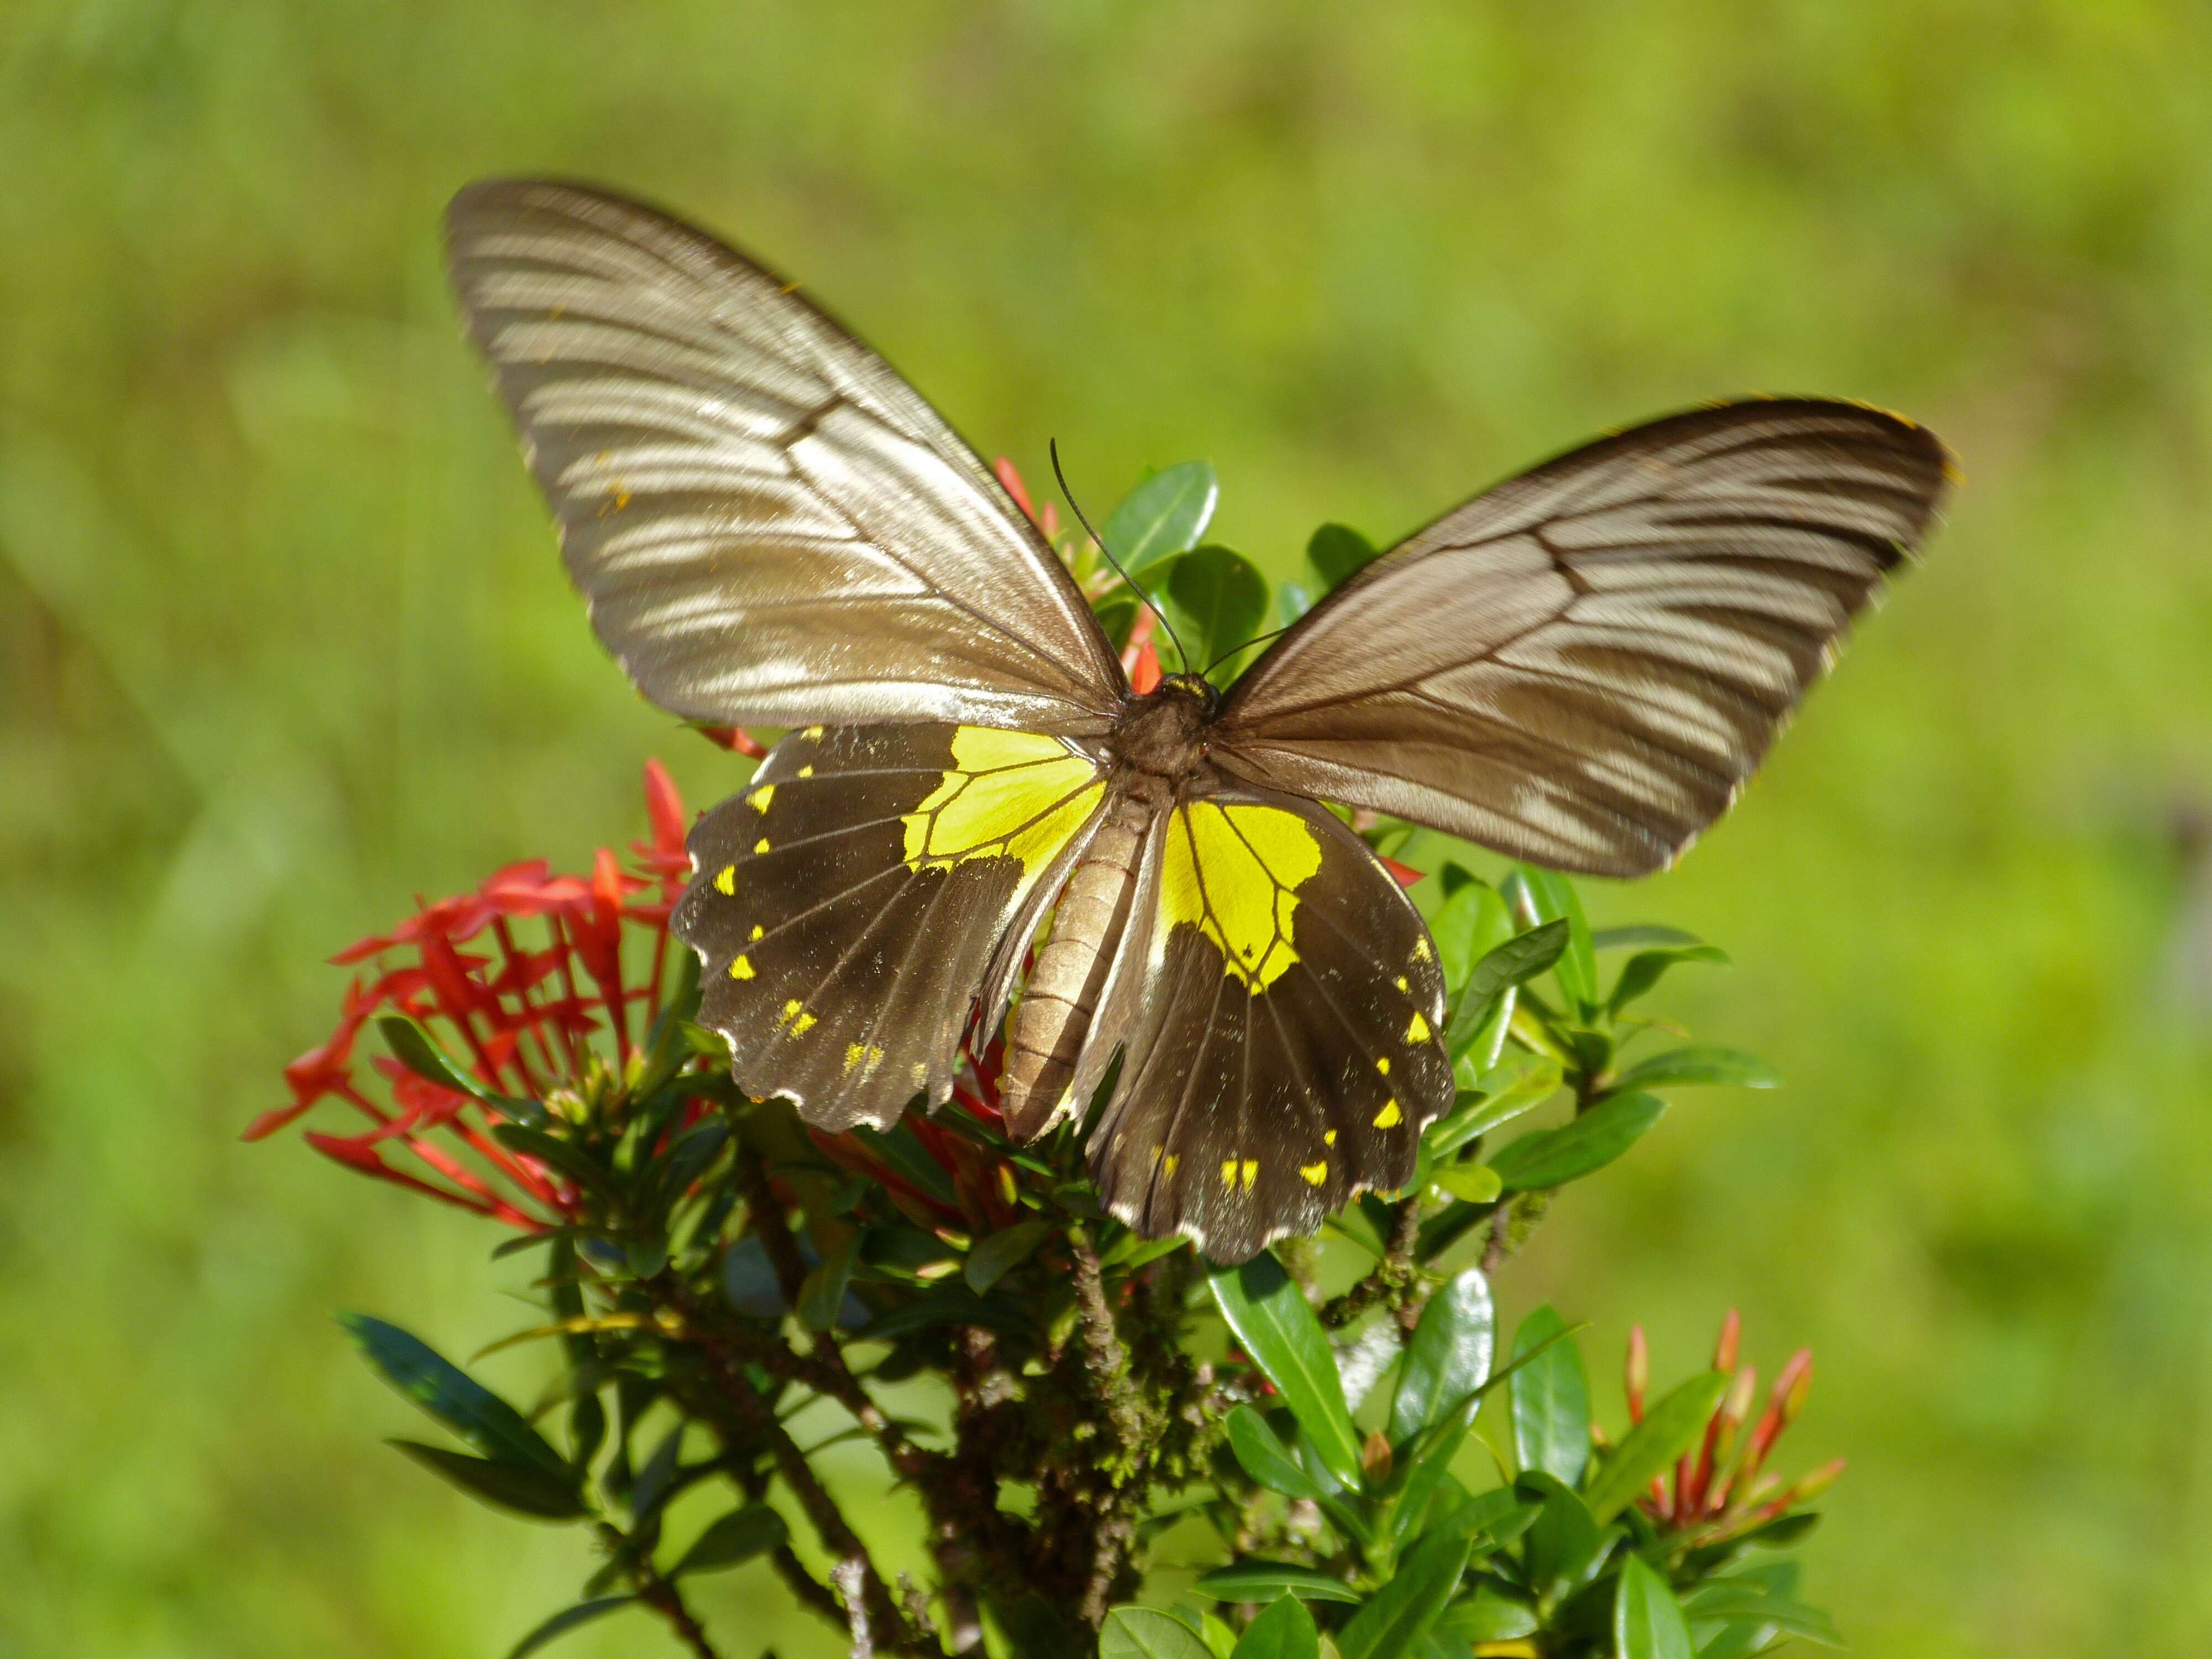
1104 1357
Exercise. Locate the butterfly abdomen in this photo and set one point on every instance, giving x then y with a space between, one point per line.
1052 1018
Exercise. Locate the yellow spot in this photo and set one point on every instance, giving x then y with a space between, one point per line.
920 1073
1229 1173
806 771
1421 950
757 930
1384 1066
1168 1165
854 1054
1251 1172
741 968
790 1010
760 845
1011 794
1419 1030
802 1025
1328 1137
1389 1117
1157 1151
812 734
1400 983
726 881
760 798
1315 1173
1233 872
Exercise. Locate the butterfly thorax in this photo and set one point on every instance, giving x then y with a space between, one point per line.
1161 739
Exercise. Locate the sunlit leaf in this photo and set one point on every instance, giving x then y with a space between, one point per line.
1141 1633
1667 1432
1265 1458
1276 1327
1449 1357
454 1398
1518 959
1647 1620
1550 1399
1647 967
1164 515
1678 1066
1284 1630
1218 599
1260 1581
1397 1616
1552 897
1552 1158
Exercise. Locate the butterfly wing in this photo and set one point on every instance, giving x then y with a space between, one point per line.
849 904
767 523
1583 665
1285 1052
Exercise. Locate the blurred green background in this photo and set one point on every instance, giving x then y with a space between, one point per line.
283 642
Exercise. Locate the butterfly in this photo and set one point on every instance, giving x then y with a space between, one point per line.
1579 667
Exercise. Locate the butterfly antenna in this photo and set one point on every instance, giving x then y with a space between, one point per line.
1248 645
1052 447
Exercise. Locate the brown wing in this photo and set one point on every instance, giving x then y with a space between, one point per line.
1583 665
767 523
1284 1052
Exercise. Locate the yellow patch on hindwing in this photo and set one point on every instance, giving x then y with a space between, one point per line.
1389 1117
741 968
1419 1030
1315 1173
1011 794
1233 872
725 879
760 799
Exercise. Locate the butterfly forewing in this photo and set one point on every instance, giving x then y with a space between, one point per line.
767 523
1286 1054
847 905
1581 666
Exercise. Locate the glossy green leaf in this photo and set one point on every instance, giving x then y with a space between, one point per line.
1565 1548
454 1398
737 1537
1292 601
1737 1601
1469 925
1218 600
1164 515
1478 1183
1552 897
1397 1616
1642 935
1518 959
1647 967
1257 1580
562 1157
1668 1430
1647 1620
567 1619
1141 1633
998 1254
1550 1395
1677 1066
1284 1630
1489 1614
520 1488
1449 1357
1336 551
821 1294
1275 1326
1552 1157
1520 1084
1265 1458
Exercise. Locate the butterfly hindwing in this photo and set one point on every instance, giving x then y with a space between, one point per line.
1288 1052
847 905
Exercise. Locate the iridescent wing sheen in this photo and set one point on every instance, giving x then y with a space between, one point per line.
767 523
1284 1052
847 906
1581 666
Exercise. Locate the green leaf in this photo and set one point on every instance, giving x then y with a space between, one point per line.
1550 1399
1218 600
1647 967
1520 1084
1565 1548
821 1294
1667 1432
1000 1253
1449 1357
1396 1616
562 1157
738 1536
1552 897
898 1147
1628 938
1141 1633
522 1488
1737 1601
1489 1615
1469 925
1256 1580
1478 1183
1336 551
1552 1158
1716 1066
566 1621
1520 957
1265 1458
1276 1327
454 1398
1164 515
1647 1620
1284 1630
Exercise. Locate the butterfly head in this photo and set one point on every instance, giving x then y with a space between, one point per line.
1163 734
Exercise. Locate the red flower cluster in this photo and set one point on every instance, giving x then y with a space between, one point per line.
1721 1488
531 1020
